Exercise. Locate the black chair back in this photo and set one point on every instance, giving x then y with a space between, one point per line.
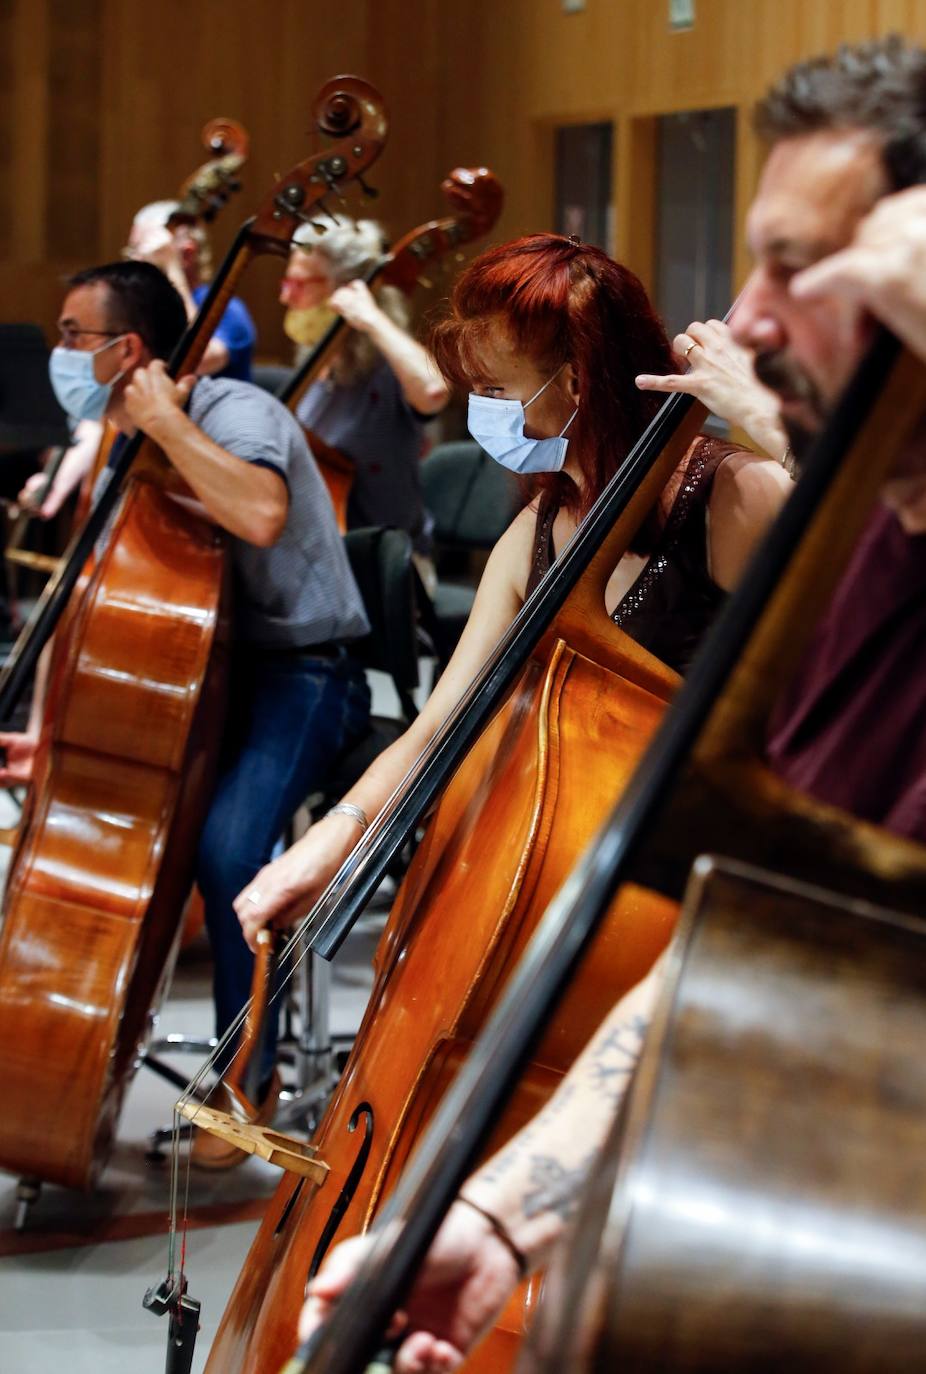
472 498
381 561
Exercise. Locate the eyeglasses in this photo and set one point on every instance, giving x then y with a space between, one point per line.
69 336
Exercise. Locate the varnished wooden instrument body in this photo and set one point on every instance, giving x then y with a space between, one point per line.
337 472
526 800
132 725
104 858
762 1205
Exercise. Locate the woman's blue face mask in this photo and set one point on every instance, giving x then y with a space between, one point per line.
74 383
498 426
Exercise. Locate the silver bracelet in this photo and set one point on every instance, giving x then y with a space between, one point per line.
356 813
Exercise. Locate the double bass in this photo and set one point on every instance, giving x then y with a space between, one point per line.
698 788
103 862
475 195
527 789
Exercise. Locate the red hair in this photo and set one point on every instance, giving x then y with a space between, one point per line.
564 301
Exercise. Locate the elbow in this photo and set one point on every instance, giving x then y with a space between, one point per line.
266 526
434 396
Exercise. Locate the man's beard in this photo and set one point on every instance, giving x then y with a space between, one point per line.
789 381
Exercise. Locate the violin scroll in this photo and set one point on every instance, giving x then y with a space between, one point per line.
350 110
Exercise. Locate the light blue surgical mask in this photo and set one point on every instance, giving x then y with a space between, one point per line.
498 426
79 393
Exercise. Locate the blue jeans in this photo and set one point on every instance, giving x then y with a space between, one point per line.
290 717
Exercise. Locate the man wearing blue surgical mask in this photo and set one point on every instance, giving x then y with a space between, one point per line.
297 698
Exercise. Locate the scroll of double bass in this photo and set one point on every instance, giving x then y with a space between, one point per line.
123 771
700 785
209 188
476 196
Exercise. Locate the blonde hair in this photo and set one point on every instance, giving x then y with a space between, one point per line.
351 249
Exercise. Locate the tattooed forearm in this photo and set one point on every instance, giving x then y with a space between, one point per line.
514 1153
615 1058
554 1187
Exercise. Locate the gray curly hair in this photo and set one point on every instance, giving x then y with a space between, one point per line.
351 248
878 86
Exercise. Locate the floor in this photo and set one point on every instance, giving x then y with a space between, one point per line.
72 1282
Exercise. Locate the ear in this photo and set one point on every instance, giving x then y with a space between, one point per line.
572 383
132 352
189 253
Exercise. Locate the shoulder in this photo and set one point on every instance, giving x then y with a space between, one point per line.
512 556
223 403
745 479
235 317
746 496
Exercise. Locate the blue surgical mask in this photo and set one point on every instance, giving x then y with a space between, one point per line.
498 426
79 393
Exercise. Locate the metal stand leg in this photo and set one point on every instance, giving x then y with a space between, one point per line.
27 1194
312 1053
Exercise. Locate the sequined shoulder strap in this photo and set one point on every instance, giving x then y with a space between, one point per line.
542 557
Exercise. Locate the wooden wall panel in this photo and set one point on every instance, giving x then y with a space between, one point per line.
102 101
540 67
74 126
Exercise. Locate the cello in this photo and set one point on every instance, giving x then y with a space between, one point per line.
475 194
451 939
690 793
102 867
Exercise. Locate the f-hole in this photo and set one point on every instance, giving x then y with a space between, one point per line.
362 1113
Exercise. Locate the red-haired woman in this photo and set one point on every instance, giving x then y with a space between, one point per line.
549 336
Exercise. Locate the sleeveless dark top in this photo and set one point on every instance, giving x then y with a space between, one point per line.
673 601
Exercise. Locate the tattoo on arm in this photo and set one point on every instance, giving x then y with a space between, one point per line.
616 1058
554 1187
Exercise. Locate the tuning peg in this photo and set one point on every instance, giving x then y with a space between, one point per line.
329 212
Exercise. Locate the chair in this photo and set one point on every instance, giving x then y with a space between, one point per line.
270 377
472 500
381 561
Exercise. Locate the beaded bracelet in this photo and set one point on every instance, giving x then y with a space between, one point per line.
503 1234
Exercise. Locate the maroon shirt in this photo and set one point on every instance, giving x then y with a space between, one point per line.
851 727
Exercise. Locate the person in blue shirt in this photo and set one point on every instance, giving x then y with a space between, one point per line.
180 247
